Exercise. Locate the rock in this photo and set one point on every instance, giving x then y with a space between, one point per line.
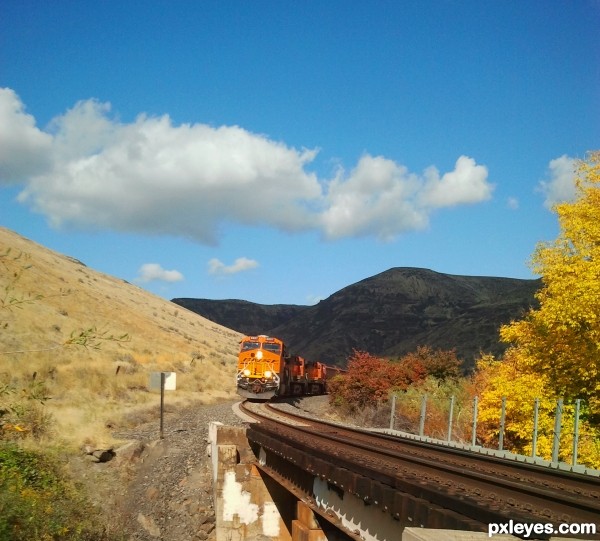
207 527
130 451
103 455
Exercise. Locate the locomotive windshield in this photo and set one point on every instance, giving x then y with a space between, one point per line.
272 347
250 345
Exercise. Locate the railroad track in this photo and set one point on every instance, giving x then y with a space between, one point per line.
474 489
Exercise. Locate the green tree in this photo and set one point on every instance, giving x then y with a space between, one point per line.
561 338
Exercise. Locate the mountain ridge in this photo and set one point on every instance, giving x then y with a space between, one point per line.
388 314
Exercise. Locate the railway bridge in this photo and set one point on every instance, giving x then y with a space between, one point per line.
300 479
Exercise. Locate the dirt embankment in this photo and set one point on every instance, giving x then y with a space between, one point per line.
159 489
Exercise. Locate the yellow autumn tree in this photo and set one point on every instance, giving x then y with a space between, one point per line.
560 340
512 380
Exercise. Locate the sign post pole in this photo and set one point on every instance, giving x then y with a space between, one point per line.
163 381
162 403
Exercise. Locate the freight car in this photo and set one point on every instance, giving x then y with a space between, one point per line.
265 369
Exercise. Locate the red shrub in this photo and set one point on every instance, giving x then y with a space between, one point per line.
369 380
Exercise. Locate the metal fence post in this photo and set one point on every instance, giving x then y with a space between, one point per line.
422 417
450 415
393 414
536 409
557 426
576 431
474 428
502 423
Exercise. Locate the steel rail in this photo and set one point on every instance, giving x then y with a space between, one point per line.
550 478
481 487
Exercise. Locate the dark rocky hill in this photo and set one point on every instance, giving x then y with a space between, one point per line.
250 317
389 314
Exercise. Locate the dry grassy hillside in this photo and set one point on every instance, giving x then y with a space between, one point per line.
48 299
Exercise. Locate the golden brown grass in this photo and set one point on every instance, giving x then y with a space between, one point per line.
48 299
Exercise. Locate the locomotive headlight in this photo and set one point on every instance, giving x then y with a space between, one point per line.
246 372
268 374
259 354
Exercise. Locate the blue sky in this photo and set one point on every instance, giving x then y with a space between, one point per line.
279 151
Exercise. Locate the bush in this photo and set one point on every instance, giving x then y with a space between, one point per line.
22 411
369 379
37 501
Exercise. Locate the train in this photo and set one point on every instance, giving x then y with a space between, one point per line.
266 370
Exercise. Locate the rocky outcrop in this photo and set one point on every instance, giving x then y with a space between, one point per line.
243 316
389 314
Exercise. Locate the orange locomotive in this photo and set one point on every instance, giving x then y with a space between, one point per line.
266 369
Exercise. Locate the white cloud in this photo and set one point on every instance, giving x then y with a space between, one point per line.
90 170
381 197
561 185
24 149
150 272
153 177
465 185
84 130
241 264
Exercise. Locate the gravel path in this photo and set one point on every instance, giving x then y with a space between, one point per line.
162 489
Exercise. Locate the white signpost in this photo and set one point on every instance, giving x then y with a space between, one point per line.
163 381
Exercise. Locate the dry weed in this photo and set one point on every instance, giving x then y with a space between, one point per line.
50 296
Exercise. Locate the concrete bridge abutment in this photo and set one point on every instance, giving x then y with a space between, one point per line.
248 505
